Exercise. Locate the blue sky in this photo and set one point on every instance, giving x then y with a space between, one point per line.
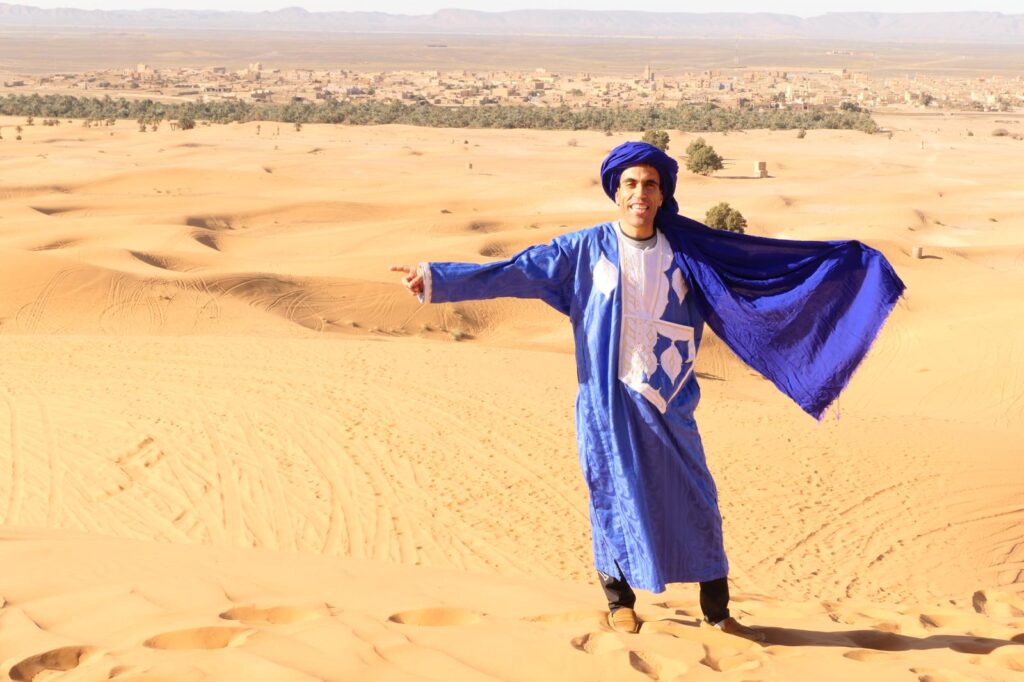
798 7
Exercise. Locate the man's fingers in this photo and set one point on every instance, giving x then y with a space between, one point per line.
413 279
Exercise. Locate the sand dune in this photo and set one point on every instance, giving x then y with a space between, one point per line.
237 450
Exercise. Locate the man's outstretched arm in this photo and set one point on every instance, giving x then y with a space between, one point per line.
543 271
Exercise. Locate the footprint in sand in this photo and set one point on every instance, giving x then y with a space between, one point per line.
656 666
598 643
997 604
727 659
437 617
275 615
199 638
59 660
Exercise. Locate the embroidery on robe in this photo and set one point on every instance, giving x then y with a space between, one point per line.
606 276
655 355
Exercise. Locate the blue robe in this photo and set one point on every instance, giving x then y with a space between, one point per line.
653 503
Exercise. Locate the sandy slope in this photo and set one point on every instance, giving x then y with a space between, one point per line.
203 349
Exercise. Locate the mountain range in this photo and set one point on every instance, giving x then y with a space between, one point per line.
944 27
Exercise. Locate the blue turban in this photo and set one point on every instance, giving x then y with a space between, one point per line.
629 154
802 313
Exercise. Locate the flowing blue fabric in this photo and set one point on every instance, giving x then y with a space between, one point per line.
801 313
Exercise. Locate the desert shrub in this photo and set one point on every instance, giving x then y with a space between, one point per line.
658 138
1000 132
703 159
725 217
186 123
695 145
801 134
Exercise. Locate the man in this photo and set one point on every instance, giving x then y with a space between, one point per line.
638 292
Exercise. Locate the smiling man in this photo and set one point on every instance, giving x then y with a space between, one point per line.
638 292
639 197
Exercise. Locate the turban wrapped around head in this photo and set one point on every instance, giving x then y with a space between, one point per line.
629 154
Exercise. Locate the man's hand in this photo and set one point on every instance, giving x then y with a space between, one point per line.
413 279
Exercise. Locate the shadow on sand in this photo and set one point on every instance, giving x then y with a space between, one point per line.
877 640
886 641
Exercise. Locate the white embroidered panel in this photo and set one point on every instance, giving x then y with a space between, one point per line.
679 286
645 297
606 276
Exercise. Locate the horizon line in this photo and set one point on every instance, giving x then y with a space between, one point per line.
292 8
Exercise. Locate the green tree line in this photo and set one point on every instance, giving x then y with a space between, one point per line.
706 117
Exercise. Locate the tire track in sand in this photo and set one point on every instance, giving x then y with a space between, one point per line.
14 499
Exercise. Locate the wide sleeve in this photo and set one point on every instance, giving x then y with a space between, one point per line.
544 272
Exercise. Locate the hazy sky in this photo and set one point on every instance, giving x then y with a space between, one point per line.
798 7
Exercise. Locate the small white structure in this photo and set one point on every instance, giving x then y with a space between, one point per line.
918 252
761 169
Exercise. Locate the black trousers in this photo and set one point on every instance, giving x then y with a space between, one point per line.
714 596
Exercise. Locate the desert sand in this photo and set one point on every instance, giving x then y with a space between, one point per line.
233 448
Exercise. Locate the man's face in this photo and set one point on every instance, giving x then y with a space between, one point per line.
639 197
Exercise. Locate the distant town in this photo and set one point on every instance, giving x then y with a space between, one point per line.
796 89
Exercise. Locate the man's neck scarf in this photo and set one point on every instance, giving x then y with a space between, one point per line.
802 313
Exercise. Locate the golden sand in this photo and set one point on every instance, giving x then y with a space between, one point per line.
237 450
